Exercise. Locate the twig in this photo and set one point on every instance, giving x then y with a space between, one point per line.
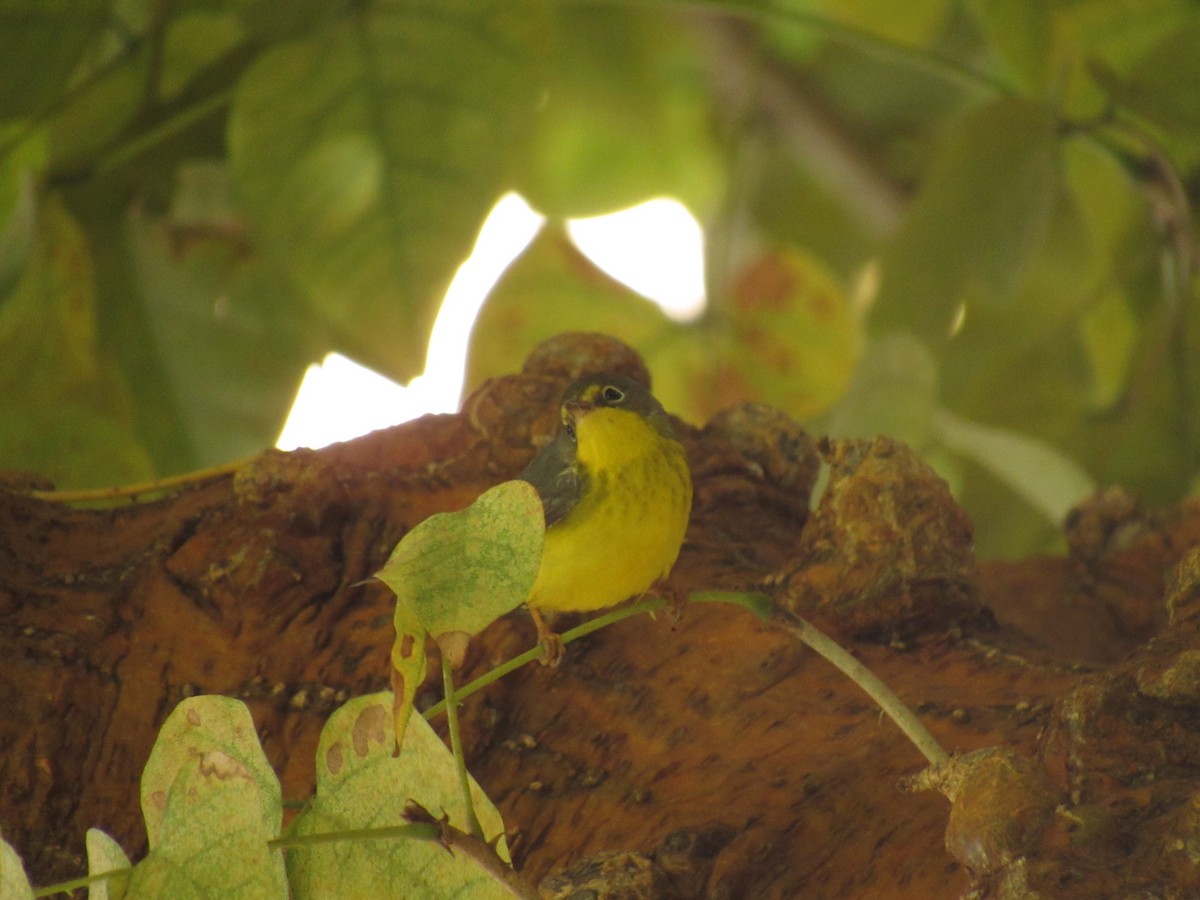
476 850
160 485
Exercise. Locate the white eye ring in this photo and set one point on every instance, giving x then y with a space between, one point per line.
612 394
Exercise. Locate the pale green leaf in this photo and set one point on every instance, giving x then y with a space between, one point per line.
978 221
369 154
1025 35
550 289
624 118
408 660
361 785
105 855
1122 32
194 41
1111 205
41 42
798 335
73 443
916 23
94 114
1109 334
20 169
14 883
48 323
1162 85
460 571
894 391
227 341
795 205
1047 479
211 802
67 413
195 727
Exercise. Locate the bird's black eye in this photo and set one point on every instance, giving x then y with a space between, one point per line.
612 394
569 428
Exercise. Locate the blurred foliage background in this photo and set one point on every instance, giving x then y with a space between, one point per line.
966 223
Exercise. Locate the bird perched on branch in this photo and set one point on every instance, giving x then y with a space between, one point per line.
617 494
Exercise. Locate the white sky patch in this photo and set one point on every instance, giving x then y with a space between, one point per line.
656 248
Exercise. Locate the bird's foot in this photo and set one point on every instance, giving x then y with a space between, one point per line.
549 640
676 601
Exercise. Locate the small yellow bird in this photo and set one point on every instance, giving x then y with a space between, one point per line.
617 494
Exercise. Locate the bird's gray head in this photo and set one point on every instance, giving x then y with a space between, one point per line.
615 392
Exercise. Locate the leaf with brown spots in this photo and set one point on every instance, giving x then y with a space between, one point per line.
408 663
362 785
211 803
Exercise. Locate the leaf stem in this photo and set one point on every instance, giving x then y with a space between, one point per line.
460 764
494 675
891 705
67 887
763 608
139 143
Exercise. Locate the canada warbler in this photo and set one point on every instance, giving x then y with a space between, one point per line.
617 493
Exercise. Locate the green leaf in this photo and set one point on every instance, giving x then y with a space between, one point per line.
625 117
20 169
550 289
211 803
916 23
1111 206
978 221
1109 335
1162 86
794 205
460 571
228 344
14 883
104 855
41 42
369 154
1025 36
72 443
67 413
798 336
894 391
195 41
1049 481
96 112
361 785
408 660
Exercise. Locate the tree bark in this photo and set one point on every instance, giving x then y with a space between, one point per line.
717 755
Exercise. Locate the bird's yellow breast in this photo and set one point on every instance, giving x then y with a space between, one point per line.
626 530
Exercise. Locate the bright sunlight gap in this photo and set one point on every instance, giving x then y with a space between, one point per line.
656 248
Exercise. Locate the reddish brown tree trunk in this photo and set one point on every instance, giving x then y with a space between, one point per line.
726 759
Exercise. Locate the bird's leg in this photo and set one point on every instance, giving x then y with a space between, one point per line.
676 600
551 643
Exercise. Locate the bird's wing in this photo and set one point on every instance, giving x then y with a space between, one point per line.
558 479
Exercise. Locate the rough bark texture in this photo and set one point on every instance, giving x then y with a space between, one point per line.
713 757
